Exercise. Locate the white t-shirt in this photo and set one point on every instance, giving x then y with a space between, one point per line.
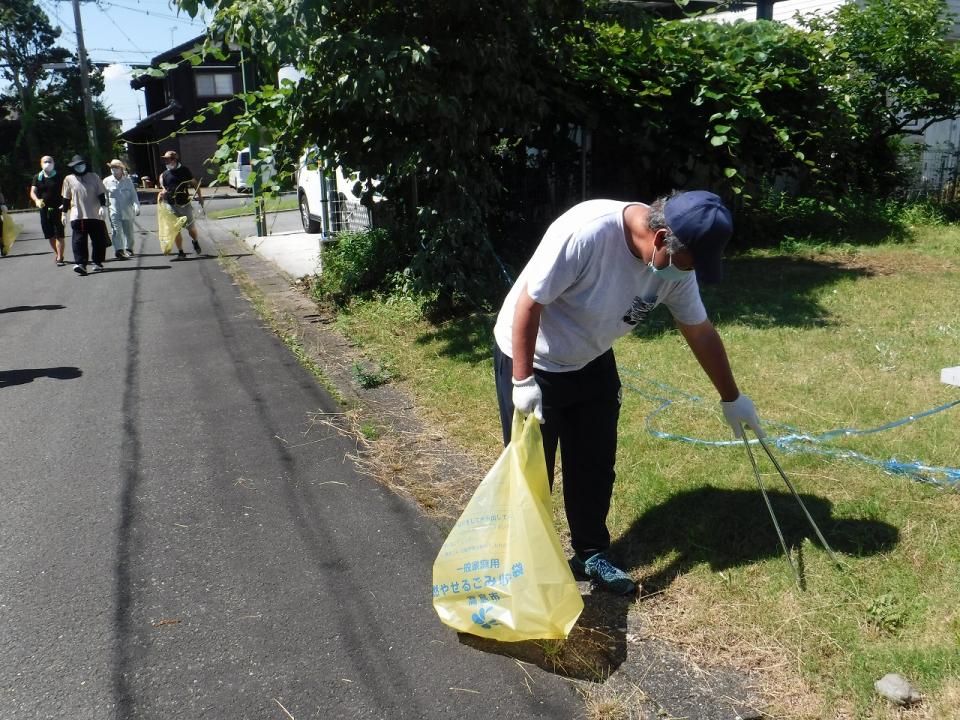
593 289
83 192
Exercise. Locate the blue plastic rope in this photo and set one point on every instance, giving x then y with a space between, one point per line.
794 441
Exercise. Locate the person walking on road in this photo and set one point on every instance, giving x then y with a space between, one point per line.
177 187
599 270
3 209
85 200
46 191
123 206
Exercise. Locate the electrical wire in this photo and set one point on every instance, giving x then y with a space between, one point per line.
122 31
151 13
793 440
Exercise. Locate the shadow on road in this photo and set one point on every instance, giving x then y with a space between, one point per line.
19 255
27 375
25 308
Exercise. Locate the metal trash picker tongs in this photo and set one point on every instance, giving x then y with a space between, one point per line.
796 495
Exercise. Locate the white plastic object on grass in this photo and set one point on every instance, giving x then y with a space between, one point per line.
950 376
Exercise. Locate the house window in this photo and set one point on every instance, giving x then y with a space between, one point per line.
214 84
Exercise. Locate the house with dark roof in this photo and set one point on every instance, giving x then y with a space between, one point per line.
177 97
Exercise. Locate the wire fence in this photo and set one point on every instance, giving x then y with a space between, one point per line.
935 175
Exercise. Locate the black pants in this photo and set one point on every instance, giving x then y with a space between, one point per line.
580 412
96 230
50 222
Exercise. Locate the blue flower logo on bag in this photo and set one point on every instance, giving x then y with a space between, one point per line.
638 310
481 619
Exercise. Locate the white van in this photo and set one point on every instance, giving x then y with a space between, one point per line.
239 176
327 203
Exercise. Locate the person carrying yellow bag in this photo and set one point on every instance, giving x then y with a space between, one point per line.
8 228
599 271
168 227
501 573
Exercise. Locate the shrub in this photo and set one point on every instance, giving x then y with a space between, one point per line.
357 262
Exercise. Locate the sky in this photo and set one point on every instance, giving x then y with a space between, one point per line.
121 33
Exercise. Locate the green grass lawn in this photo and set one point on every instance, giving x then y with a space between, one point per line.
854 337
270 205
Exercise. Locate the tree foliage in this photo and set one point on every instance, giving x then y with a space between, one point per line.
702 103
892 62
447 103
416 94
40 106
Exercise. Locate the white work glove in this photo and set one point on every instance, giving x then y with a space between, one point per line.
527 397
102 212
742 412
39 203
136 209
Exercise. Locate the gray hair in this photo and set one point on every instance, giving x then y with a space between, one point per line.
657 221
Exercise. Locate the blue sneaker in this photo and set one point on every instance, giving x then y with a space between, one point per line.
604 574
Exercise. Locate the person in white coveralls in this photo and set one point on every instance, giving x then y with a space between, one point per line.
123 205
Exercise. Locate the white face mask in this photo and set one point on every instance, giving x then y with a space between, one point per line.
117 172
670 273
80 168
47 167
171 166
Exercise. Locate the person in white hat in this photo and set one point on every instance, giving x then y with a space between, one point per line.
123 205
84 204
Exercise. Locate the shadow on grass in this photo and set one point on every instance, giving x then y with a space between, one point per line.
758 292
597 645
468 339
765 292
730 528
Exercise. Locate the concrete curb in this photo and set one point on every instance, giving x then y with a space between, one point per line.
296 253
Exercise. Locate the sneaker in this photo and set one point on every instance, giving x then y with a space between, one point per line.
79 269
181 255
196 247
98 267
60 263
128 253
604 574
119 255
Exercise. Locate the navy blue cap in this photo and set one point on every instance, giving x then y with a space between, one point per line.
703 223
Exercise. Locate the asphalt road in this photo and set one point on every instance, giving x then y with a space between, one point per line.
177 540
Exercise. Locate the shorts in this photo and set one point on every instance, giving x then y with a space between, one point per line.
51 223
184 211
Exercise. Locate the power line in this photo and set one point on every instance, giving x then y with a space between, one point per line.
128 50
122 32
151 13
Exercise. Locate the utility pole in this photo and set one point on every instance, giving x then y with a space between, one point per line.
247 76
85 84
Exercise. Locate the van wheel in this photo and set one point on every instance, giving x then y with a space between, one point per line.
310 226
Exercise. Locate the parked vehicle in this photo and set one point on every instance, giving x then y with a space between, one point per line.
239 176
326 199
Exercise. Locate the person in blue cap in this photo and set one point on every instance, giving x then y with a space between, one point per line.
599 270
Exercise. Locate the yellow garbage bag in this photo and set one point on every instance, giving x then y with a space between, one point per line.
168 227
10 232
501 573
